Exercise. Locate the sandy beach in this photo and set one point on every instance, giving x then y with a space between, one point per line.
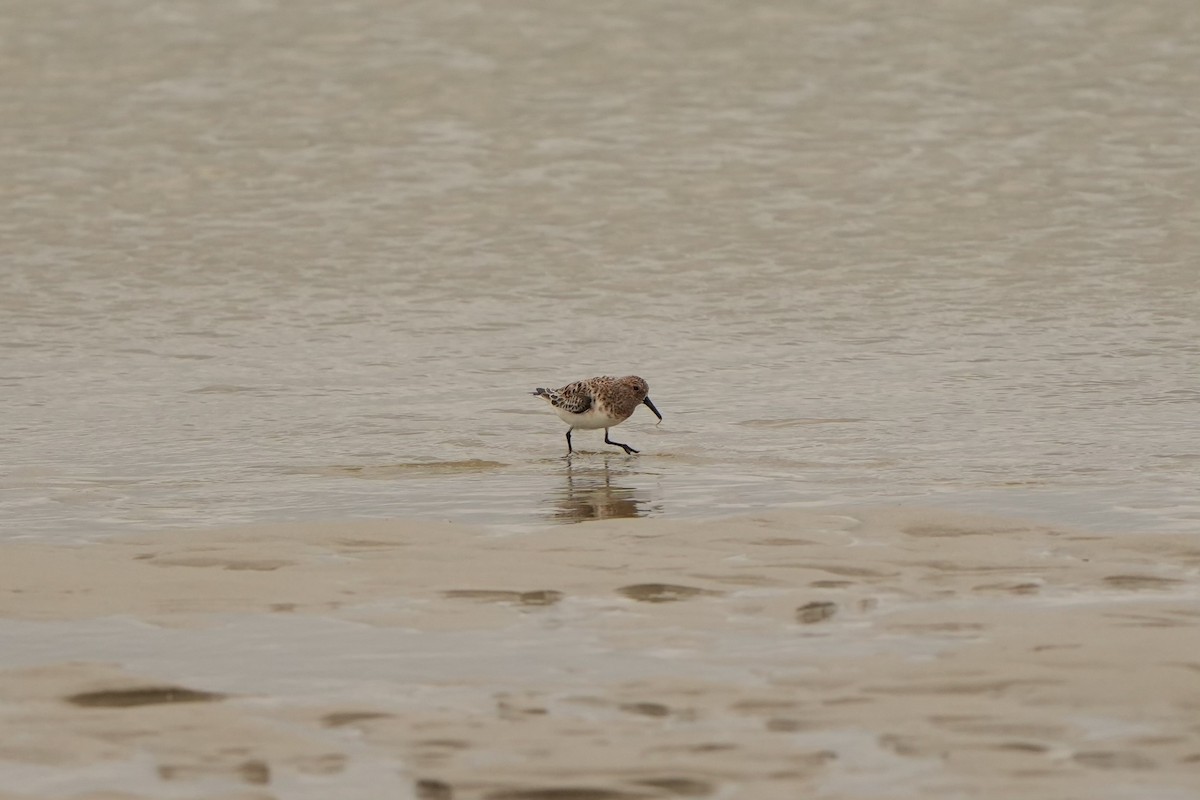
882 653
280 518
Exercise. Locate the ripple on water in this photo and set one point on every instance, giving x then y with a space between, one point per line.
414 469
796 423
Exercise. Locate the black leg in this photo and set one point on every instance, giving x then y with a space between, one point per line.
628 449
569 450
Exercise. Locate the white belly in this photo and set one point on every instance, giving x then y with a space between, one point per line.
588 420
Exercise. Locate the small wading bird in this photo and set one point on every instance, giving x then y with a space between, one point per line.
599 403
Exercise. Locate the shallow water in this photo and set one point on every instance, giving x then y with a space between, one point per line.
292 261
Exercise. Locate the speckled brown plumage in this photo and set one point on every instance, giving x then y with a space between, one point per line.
599 403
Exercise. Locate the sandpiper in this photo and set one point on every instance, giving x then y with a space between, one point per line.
599 403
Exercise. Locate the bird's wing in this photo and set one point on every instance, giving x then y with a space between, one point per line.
574 397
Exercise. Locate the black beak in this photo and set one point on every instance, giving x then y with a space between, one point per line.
647 402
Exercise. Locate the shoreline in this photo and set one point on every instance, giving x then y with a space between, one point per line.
840 653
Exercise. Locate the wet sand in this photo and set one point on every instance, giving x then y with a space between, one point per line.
882 653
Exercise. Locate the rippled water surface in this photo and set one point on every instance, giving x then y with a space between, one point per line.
269 261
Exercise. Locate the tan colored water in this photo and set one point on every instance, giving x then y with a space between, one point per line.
276 262
256 252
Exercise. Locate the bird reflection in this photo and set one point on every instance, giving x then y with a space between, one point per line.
591 494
